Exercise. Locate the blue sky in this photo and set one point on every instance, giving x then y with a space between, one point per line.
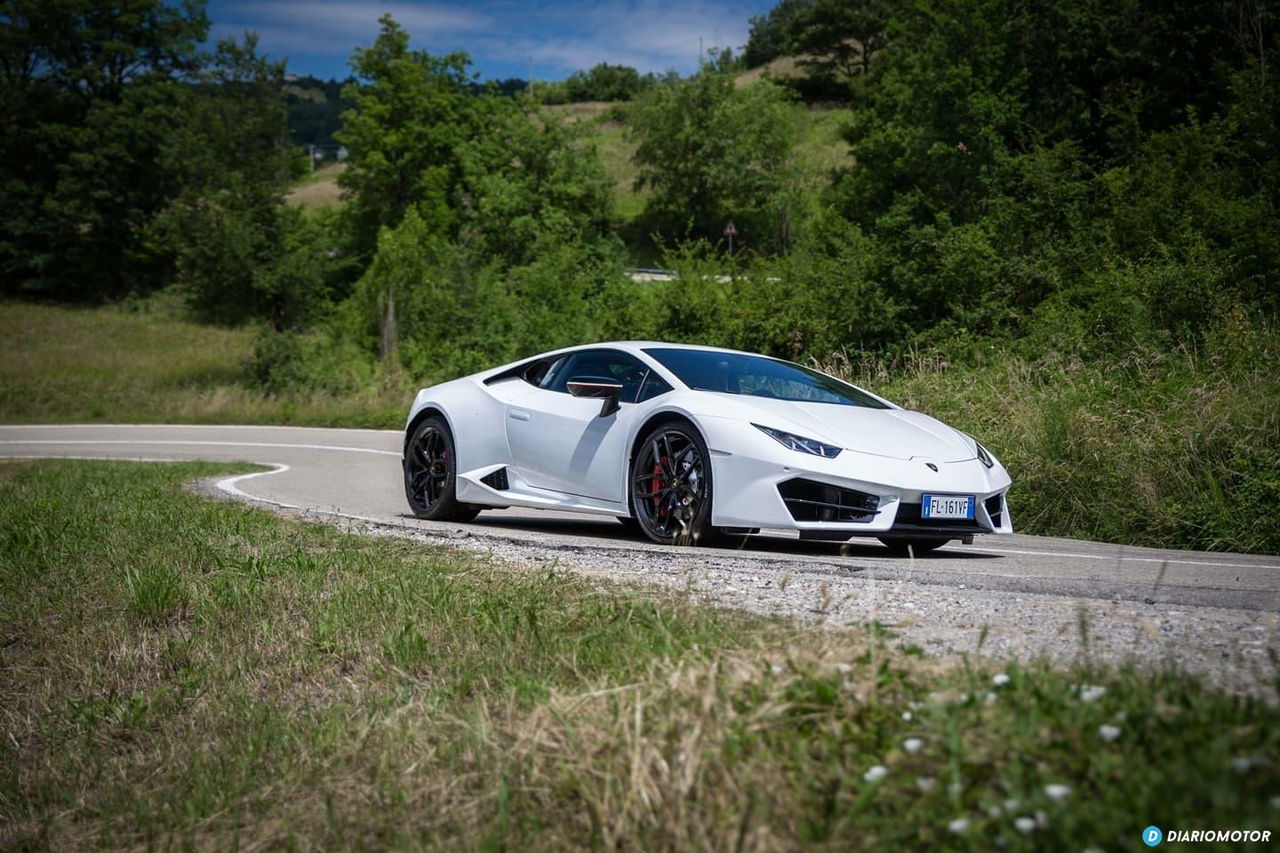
504 38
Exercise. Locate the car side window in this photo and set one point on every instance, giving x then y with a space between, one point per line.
551 371
654 386
536 372
626 370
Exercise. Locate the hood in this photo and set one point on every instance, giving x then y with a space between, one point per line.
894 433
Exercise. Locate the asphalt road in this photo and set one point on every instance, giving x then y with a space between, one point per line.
355 474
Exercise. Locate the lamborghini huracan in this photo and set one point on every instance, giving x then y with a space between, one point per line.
693 444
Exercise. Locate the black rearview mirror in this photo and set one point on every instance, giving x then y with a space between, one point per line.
598 387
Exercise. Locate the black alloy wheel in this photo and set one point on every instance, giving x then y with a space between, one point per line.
430 474
671 486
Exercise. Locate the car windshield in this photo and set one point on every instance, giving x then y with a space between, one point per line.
758 376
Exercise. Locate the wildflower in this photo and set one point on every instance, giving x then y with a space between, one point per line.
775 669
844 668
1091 692
1025 824
959 826
875 774
926 783
994 811
989 699
1011 805
906 716
1000 679
1057 793
1108 733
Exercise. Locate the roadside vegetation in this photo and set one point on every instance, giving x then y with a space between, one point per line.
181 672
1089 269
145 364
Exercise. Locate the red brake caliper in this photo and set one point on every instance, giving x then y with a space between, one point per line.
660 506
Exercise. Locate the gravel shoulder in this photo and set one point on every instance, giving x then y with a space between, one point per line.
1229 647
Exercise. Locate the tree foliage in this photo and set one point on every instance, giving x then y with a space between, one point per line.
92 92
413 114
711 151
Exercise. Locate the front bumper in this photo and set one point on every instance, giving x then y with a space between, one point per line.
855 494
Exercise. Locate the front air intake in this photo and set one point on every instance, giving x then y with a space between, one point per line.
809 500
995 508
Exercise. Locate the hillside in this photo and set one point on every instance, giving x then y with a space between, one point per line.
819 149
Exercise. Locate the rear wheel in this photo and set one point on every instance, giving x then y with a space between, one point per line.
671 486
430 474
913 546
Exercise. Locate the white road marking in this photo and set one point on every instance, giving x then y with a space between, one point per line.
204 444
229 486
197 426
1127 559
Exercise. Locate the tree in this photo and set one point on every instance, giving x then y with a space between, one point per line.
231 158
838 37
91 91
413 114
530 181
773 34
709 151
605 82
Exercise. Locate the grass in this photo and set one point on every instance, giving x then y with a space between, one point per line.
61 364
178 672
318 189
1167 449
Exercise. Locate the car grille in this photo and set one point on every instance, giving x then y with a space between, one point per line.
809 500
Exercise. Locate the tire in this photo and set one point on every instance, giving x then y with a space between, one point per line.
916 547
430 475
670 486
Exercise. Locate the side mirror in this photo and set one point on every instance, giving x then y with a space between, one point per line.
598 387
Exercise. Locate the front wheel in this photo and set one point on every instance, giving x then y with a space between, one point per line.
430 474
671 486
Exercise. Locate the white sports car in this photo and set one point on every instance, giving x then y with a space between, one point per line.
692 443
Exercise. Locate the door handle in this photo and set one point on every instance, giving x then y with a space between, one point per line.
518 414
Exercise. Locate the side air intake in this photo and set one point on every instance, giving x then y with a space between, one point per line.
497 480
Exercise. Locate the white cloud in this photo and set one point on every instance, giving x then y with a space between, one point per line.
325 26
651 35
555 38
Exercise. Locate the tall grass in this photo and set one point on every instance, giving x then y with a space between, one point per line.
112 365
1163 448
311 689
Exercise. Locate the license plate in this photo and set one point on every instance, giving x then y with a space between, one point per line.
947 506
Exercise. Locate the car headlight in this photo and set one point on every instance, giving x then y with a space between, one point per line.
791 441
984 455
